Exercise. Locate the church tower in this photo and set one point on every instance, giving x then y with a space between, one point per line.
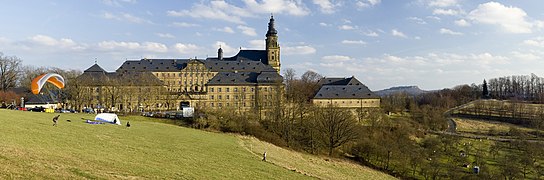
272 46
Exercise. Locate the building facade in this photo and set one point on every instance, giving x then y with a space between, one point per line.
345 93
250 80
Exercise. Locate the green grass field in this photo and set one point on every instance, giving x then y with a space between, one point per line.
31 148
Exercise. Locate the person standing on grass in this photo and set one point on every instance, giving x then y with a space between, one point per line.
264 156
55 119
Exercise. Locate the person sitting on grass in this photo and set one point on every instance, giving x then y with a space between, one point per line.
55 119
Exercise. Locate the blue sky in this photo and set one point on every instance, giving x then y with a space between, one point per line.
430 43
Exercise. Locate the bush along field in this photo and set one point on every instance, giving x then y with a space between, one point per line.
33 148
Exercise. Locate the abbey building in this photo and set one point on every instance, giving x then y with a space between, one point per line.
248 80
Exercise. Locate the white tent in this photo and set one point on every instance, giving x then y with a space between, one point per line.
108 117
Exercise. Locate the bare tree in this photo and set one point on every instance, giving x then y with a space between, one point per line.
336 127
9 70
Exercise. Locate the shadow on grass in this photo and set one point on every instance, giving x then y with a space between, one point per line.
81 173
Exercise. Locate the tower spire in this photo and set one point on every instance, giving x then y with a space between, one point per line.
271 28
272 46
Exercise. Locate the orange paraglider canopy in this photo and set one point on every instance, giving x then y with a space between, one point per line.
40 81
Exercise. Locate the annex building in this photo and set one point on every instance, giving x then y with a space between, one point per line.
345 93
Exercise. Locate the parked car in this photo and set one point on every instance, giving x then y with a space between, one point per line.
147 114
171 115
88 110
37 109
62 111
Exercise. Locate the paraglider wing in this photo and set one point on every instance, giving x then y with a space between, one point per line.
38 82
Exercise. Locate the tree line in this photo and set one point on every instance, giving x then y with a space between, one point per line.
519 87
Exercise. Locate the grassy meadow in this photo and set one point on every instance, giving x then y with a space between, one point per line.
32 148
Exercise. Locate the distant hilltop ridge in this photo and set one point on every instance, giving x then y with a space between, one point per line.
410 90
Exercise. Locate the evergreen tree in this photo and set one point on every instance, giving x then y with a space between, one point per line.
485 92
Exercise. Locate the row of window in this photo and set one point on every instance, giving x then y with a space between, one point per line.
349 102
184 82
236 104
187 89
228 89
212 97
235 89
184 74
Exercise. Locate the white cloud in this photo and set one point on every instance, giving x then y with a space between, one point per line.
526 56
117 2
336 58
443 3
536 42
47 41
188 49
222 10
358 42
257 44
510 19
132 46
324 24
326 6
218 10
184 24
433 18
371 34
450 32
44 40
3 40
462 23
298 50
397 33
227 50
417 20
225 29
154 47
125 17
247 30
291 7
367 3
165 35
447 12
346 27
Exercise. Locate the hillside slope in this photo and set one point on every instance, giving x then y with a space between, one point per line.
32 148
